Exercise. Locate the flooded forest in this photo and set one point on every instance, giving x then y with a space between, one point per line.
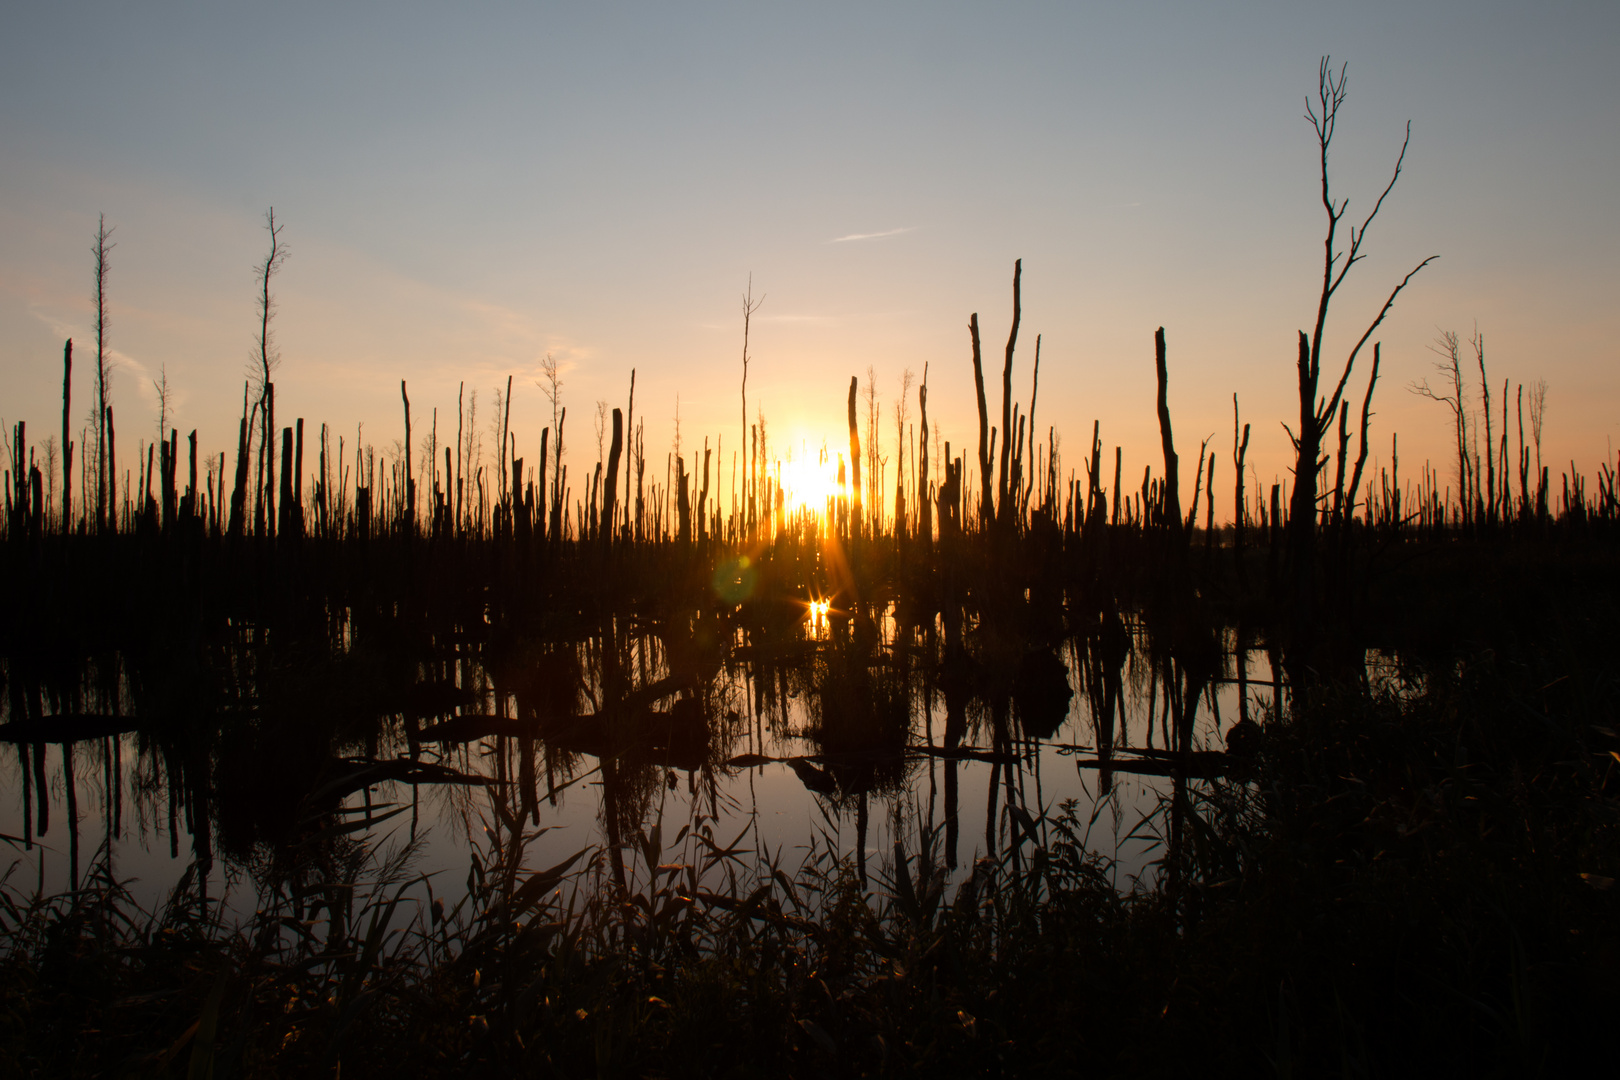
320 762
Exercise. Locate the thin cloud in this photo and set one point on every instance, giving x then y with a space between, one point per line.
871 235
116 358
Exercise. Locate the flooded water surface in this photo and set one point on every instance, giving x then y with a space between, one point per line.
781 720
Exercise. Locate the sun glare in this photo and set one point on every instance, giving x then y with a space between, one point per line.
819 610
807 484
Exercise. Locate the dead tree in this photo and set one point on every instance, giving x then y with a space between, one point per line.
1002 506
1172 487
410 483
854 459
1240 450
1448 348
268 358
750 305
67 444
104 468
1478 342
900 417
1034 392
610 493
925 520
629 427
985 504
1317 414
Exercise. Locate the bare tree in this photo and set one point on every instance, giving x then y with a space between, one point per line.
49 452
1002 506
1316 415
1538 416
985 506
762 452
1538 420
427 460
265 361
160 386
1455 397
471 448
213 472
629 428
901 415
874 483
1478 342
855 508
675 447
750 305
552 385
497 435
925 523
67 442
1171 498
104 367
1240 450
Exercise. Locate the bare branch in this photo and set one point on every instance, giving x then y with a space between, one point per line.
1338 391
1358 235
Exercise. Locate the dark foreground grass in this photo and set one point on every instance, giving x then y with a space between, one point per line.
1413 874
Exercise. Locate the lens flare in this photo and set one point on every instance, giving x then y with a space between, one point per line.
734 579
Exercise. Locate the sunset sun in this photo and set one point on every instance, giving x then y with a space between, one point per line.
808 482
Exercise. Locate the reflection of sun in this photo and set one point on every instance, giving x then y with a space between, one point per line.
819 610
807 484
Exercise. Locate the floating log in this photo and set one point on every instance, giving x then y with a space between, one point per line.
1200 765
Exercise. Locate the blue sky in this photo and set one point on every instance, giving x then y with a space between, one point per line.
467 189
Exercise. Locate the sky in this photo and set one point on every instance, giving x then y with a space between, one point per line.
466 189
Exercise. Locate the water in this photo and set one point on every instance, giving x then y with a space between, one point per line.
874 741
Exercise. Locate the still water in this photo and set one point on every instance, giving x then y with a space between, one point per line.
833 741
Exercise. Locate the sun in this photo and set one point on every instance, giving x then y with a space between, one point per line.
808 482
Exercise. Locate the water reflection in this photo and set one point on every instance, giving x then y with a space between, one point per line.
860 721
